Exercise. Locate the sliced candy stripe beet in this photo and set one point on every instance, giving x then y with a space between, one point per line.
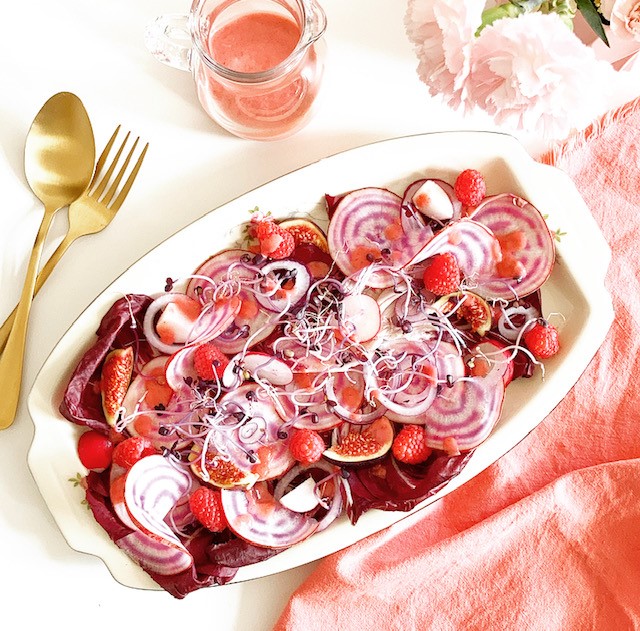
475 247
367 222
466 412
228 267
154 555
152 488
255 516
507 213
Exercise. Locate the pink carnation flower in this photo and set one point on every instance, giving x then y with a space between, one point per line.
532 71
443 33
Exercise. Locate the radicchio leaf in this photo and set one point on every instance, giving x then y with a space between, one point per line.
81 401
388 485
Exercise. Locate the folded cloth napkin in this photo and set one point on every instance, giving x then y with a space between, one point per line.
549 536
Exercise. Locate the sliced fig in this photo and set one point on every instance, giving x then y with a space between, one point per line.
469 307
114 382
215 470
361 443
306 232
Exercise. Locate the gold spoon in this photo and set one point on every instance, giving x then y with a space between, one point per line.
59 156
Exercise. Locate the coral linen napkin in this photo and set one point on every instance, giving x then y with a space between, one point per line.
549 536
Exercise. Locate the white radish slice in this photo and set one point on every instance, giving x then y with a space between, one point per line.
256 516
175 314
432 201
475 247
360 317
300 358
262 366
507 213
155 555
153 487
496 357
409 205
365 223
277 275
464 414
302 498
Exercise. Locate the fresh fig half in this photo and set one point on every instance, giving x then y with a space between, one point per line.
306 232
114 382
361 443
217 471
469 307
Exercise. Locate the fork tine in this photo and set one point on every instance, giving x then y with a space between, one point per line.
103 157
116 182
129 183
97 192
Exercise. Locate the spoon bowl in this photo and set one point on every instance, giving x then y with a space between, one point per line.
59 161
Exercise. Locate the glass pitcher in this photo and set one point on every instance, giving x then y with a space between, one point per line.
257 64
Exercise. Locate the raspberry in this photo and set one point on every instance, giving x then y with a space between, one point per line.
275 242
206 506
442 274
542 339
306 446
209 361
470 187
410 445
129 451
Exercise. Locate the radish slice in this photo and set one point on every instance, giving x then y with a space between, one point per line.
262 366
302 498
155 555
366 226
432 201
408 203
360 317
258 518
507 213
475 247
168 321
464 413
491 355
285 284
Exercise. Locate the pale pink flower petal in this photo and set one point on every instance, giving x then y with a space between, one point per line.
533 73
443 33
625 19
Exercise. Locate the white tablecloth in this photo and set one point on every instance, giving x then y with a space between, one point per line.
96 50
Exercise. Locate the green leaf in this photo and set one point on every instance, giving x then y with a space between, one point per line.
593 18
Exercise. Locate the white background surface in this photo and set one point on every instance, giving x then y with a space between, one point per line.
96 50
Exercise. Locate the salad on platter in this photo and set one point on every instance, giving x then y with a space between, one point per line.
308 375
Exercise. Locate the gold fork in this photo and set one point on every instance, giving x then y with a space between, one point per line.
93 211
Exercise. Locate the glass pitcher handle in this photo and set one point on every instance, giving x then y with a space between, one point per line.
168 39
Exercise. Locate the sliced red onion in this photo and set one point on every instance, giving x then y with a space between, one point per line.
278 298
512 319
255 516
507 213
464 413
411 386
